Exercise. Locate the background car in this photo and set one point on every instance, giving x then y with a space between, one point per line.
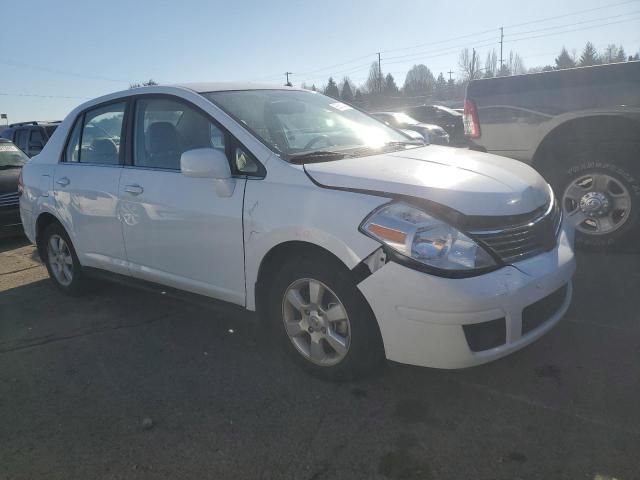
444 117
30 137
432 133
11 161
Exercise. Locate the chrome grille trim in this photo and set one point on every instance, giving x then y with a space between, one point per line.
514 243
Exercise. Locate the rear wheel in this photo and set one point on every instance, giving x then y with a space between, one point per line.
61 260
600 195
323 321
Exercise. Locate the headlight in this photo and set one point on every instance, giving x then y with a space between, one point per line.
415 234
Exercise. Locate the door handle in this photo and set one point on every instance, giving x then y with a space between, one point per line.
63 182
134 189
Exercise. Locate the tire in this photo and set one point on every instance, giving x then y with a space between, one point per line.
611 163
360 333
62 264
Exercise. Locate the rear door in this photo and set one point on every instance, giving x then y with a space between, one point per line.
21 138
178 231
86 186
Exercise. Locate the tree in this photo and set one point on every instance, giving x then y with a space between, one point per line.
589 56
564 60
419 81
610 53
347 93
491 64
440 90
313 87
358 99
621 56
148 83
332 89
375 82
469 64
515 64
390 87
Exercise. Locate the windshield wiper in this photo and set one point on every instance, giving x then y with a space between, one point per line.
317 156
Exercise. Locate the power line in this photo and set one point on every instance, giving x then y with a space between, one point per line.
574 23
555 17
59 72
574 30
41 96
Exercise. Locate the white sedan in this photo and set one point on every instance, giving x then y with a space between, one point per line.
355 242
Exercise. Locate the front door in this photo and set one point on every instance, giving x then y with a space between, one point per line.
178 231
86 187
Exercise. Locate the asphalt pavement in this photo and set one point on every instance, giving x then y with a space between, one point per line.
125 383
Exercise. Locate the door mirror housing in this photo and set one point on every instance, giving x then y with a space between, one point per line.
205 163
209 163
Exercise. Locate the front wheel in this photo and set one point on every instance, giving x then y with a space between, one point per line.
323 321
601 198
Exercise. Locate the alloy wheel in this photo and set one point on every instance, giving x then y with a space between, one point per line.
60 260
316 322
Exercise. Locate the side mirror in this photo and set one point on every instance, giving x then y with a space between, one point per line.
209 163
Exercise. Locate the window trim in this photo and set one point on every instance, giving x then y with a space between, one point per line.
81 118
230 145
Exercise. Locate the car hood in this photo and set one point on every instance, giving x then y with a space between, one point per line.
472 183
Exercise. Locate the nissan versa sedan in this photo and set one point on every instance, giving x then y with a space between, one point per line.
355 242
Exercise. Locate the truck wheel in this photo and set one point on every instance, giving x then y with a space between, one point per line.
600 195
322 319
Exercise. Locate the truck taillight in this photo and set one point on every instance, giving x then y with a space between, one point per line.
20 184
470 118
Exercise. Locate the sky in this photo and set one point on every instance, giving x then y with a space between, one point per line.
56 55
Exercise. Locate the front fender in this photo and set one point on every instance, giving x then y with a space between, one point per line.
276 214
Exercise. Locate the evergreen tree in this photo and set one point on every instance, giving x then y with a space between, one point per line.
621 56
441 88
358 99
564 60
390 87
589 56
332 89
347 93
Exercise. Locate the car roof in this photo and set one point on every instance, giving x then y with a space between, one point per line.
5 140
205 87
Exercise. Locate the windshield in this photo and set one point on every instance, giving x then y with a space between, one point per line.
50 129
11 156
405 119
294 122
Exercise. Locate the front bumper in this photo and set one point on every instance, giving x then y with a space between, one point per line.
421 316
9 217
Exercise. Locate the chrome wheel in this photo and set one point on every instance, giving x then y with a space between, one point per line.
316 322
596 203
60 260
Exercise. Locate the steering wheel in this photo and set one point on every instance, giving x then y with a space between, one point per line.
317 139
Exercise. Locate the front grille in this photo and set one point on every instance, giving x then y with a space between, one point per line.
485 335
539 312
515 242
9 199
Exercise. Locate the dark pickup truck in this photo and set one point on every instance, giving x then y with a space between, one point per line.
580 128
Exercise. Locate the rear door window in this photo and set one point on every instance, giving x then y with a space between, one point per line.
22 136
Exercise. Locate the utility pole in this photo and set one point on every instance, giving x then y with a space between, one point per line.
472 70
379 74
288 84
501 42
450 73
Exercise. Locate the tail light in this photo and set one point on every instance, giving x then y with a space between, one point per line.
20 184
470 118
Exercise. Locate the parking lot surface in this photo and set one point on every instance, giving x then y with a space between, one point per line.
126 383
